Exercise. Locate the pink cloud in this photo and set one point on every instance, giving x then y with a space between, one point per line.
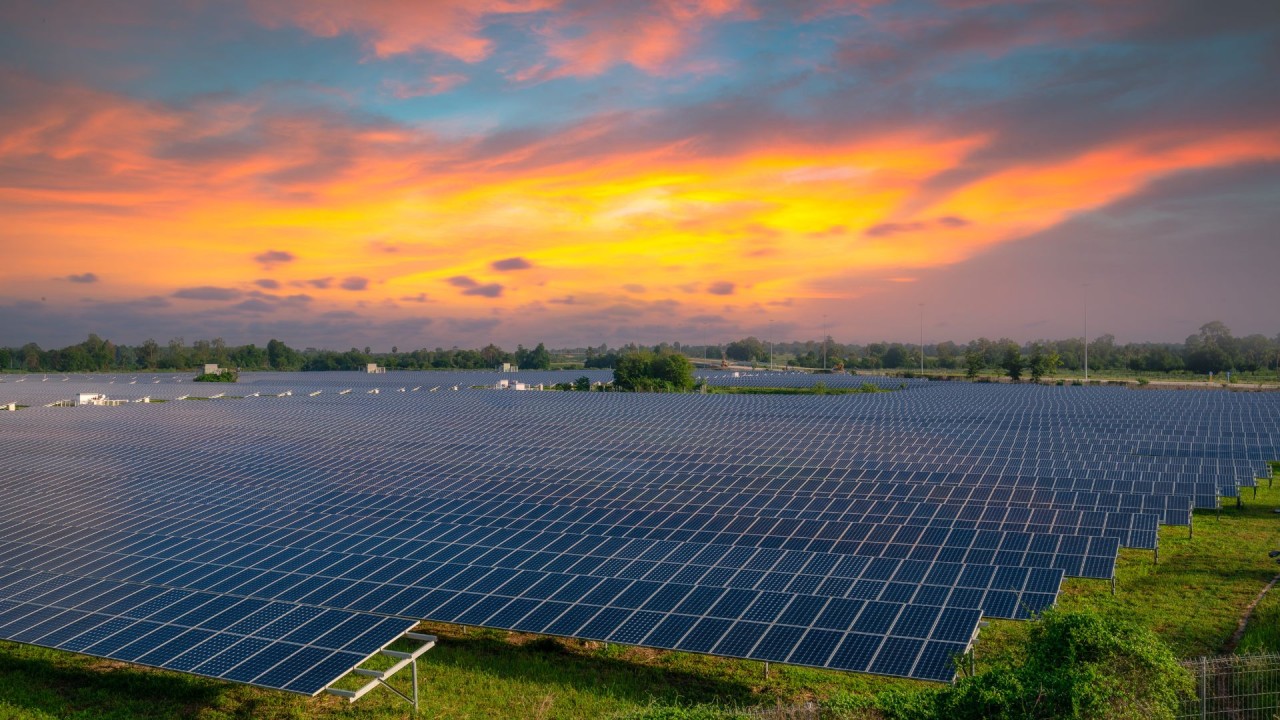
653 36
398 27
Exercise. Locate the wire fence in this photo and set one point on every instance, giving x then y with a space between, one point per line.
1235 687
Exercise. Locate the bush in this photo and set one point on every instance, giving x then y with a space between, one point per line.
229 376
1075 665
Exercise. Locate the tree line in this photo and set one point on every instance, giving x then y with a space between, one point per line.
1211 349
96 354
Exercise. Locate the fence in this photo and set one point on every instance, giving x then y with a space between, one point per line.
1235 687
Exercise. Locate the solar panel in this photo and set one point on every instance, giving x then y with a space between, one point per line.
271 537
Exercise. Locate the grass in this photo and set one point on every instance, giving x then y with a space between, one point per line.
1193 599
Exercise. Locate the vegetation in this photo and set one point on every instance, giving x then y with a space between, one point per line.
818 388
228 376
1212 349
645 371
98 355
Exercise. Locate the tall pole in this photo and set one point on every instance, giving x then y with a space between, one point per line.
1085 303
770 346
824 341
922 338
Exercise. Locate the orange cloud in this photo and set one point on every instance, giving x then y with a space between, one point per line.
376 212
651 36
397 27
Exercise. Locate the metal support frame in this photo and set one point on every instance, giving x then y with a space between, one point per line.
379 677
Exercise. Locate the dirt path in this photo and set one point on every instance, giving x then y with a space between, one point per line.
1231 645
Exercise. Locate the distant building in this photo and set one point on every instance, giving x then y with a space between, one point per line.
11 407
97 399
211 369
374 369
508 367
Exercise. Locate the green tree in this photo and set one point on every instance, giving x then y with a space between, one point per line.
644 371
974 361
1012 362
151 354
746 350
539 358
582 383
1036 363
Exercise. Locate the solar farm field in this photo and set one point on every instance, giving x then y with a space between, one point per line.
286 530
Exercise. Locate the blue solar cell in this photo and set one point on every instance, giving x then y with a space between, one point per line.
669 631
260 662
897 656
232 656
704 635
855 652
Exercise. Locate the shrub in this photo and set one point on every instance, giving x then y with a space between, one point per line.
1078 665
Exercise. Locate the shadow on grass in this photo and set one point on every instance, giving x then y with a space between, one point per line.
49 683
553 662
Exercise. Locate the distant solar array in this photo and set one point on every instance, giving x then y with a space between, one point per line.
864 532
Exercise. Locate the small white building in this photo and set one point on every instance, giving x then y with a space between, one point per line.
98 399
508 367
211 369
374 369
11 407
502 385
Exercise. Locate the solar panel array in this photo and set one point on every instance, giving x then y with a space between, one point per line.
859 532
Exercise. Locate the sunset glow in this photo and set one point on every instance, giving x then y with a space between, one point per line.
431 174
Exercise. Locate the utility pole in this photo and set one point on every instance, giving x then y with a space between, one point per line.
922 339
824 341
1085 303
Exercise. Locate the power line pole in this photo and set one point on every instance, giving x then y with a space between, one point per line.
922 339
1085 303
824 341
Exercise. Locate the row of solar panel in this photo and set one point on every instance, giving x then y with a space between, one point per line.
278 645
381 583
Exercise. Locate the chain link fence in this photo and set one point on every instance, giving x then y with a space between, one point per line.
1235 687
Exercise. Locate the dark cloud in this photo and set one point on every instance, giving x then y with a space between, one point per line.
355 283
84 278
271 258
888 229
722 287
207 292
950 222
514 263
419 298
254 305
489 290
470 286
267 283
318 283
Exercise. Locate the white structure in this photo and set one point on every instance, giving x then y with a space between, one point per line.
502 385
98 399
211 369
374 369
11 407
508 367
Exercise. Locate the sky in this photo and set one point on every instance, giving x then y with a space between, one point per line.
456 172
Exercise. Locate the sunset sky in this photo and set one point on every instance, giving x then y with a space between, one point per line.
451 172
